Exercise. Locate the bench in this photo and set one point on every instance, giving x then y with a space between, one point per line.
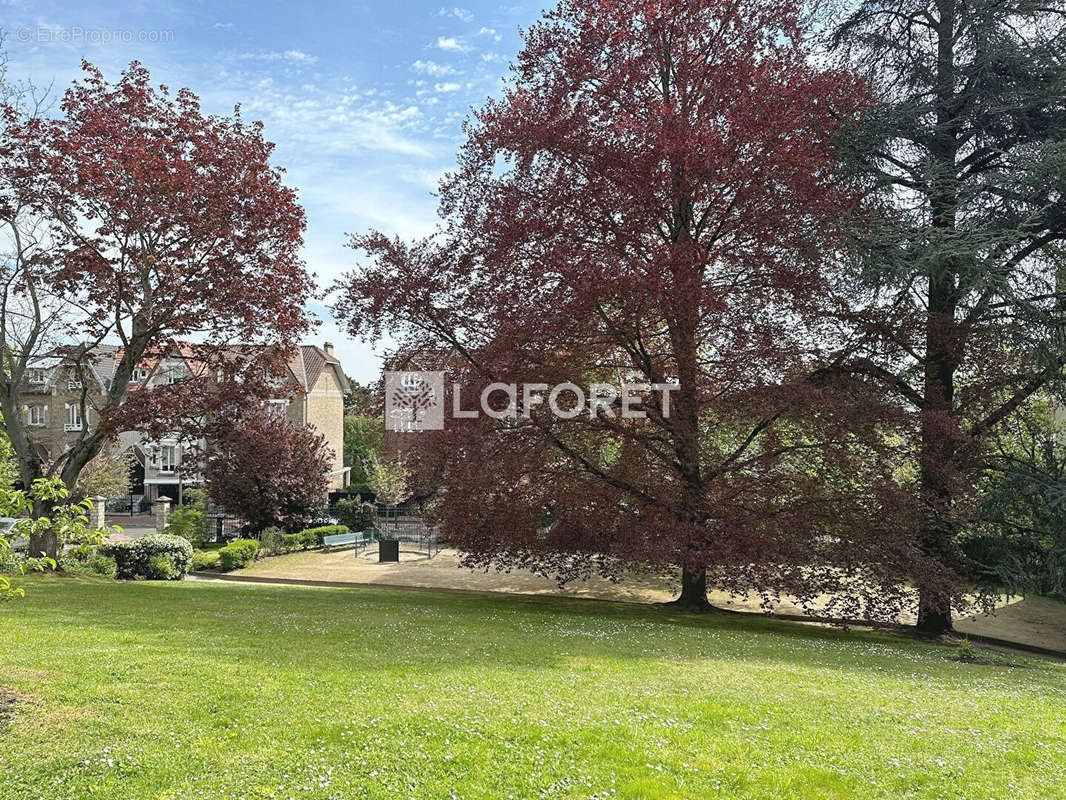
360 539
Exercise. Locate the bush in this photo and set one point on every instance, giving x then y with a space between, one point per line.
356 513
189 522
94 565
161 568
9 561
320 518
238 554
292 541
318 534
311 538
315 537
103 565
204 559
270 541
158 556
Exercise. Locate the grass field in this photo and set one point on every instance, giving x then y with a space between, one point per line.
198 690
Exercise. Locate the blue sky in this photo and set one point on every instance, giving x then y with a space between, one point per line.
364 100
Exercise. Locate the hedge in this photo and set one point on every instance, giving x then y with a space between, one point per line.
155 557
205 559
318 535
310 538
238 554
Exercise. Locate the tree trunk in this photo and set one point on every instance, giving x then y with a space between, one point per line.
939 427
693 590
937 467
934 613
44 544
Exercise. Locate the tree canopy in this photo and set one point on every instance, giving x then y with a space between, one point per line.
652 200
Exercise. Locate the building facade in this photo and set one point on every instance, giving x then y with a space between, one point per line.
59 402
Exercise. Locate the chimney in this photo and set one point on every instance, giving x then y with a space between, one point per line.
328 347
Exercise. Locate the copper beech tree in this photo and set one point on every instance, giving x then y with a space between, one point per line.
134 218
650 202
268 470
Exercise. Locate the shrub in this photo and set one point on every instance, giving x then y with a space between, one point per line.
103 565
357 514
161 568
966 651
204 559
189 522
8 560
238 554
137 560
292 541
315 537
270 541
95 565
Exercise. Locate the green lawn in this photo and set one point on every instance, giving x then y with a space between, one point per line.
198 690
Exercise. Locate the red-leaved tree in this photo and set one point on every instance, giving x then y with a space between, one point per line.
267 471
650 202
135 218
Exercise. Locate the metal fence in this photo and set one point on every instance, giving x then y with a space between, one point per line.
412 531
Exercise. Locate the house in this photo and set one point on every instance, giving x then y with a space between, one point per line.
60 401
51 393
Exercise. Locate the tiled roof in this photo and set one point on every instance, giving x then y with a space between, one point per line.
305 366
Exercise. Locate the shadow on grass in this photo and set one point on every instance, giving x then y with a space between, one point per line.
427 630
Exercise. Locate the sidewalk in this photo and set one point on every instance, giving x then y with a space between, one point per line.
132 527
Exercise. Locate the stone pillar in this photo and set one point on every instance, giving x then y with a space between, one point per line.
162 511
96 513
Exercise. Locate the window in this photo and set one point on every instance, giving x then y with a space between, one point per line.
73 383
168 458
140 374
74 422
37 416
35 376
172 373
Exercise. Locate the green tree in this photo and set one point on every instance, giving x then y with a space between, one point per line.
964 156
8 466
362 441
106 475
364 400
68 523
1018 543
389 481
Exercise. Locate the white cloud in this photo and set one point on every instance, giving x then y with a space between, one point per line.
461 14
446 87
490 32
433 68
451 44
330 124
489 58
289 56
222 26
